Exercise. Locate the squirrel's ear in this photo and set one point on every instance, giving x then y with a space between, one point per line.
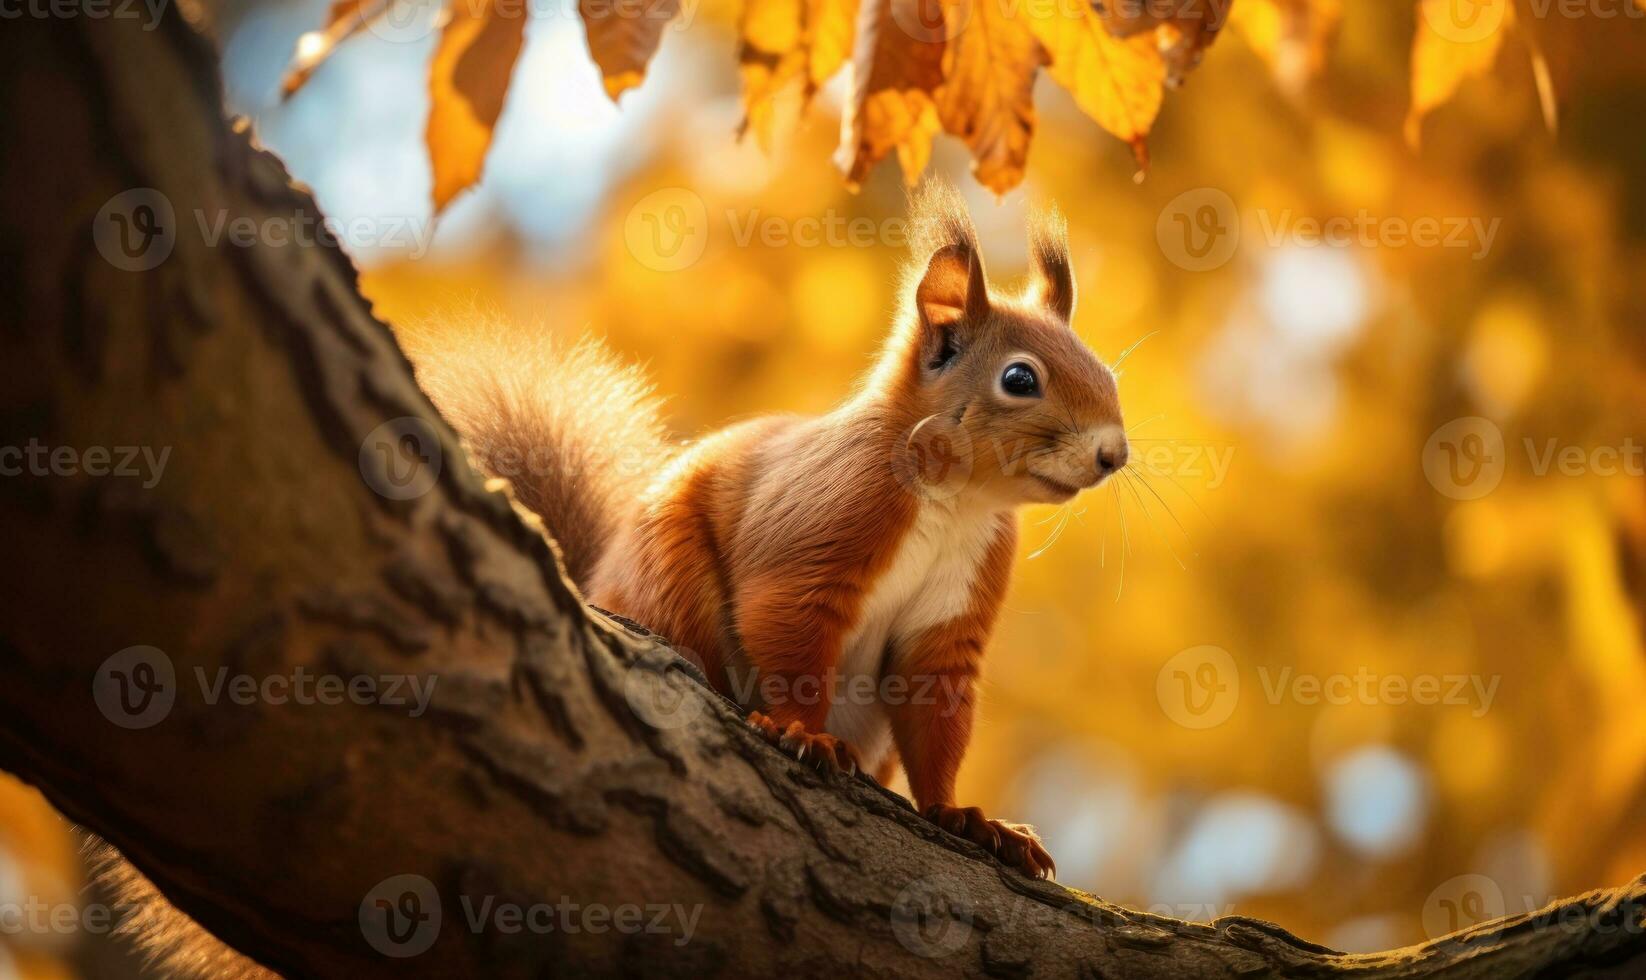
1053 274
951 298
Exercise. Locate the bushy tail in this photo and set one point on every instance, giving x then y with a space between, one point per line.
173 944
577 433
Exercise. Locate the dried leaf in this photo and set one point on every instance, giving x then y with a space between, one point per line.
623 36
1456 40
468 80
1184 41
1183 28
343 21
897 63
987 95
1117 81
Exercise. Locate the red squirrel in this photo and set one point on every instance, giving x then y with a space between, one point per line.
825 571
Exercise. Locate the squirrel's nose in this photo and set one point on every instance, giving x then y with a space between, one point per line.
1111 456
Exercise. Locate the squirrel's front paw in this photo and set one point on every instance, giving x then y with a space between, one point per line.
1014 844
820 750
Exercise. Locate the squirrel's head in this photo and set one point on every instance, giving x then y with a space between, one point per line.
1001 382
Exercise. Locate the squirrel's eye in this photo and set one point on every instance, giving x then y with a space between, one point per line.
1019 380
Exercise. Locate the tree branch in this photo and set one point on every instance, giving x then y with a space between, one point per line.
563 757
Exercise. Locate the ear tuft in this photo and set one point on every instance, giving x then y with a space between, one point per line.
951 298
937 219
1053 273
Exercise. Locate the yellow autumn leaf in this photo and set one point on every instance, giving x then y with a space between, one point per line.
915 151
1456 40
1117 81
897 64
623 35
770 58
830 28
468 79
787 44
891 119
987 95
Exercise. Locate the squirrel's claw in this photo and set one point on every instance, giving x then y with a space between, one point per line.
819 750
1015 844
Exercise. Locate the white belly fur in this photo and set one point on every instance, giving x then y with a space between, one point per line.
928 583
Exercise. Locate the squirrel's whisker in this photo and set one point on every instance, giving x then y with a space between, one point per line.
1131 484
1142 479
1128 352
1139 425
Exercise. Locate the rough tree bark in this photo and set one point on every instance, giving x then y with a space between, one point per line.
563 756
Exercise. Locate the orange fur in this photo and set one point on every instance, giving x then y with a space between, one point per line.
761 543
